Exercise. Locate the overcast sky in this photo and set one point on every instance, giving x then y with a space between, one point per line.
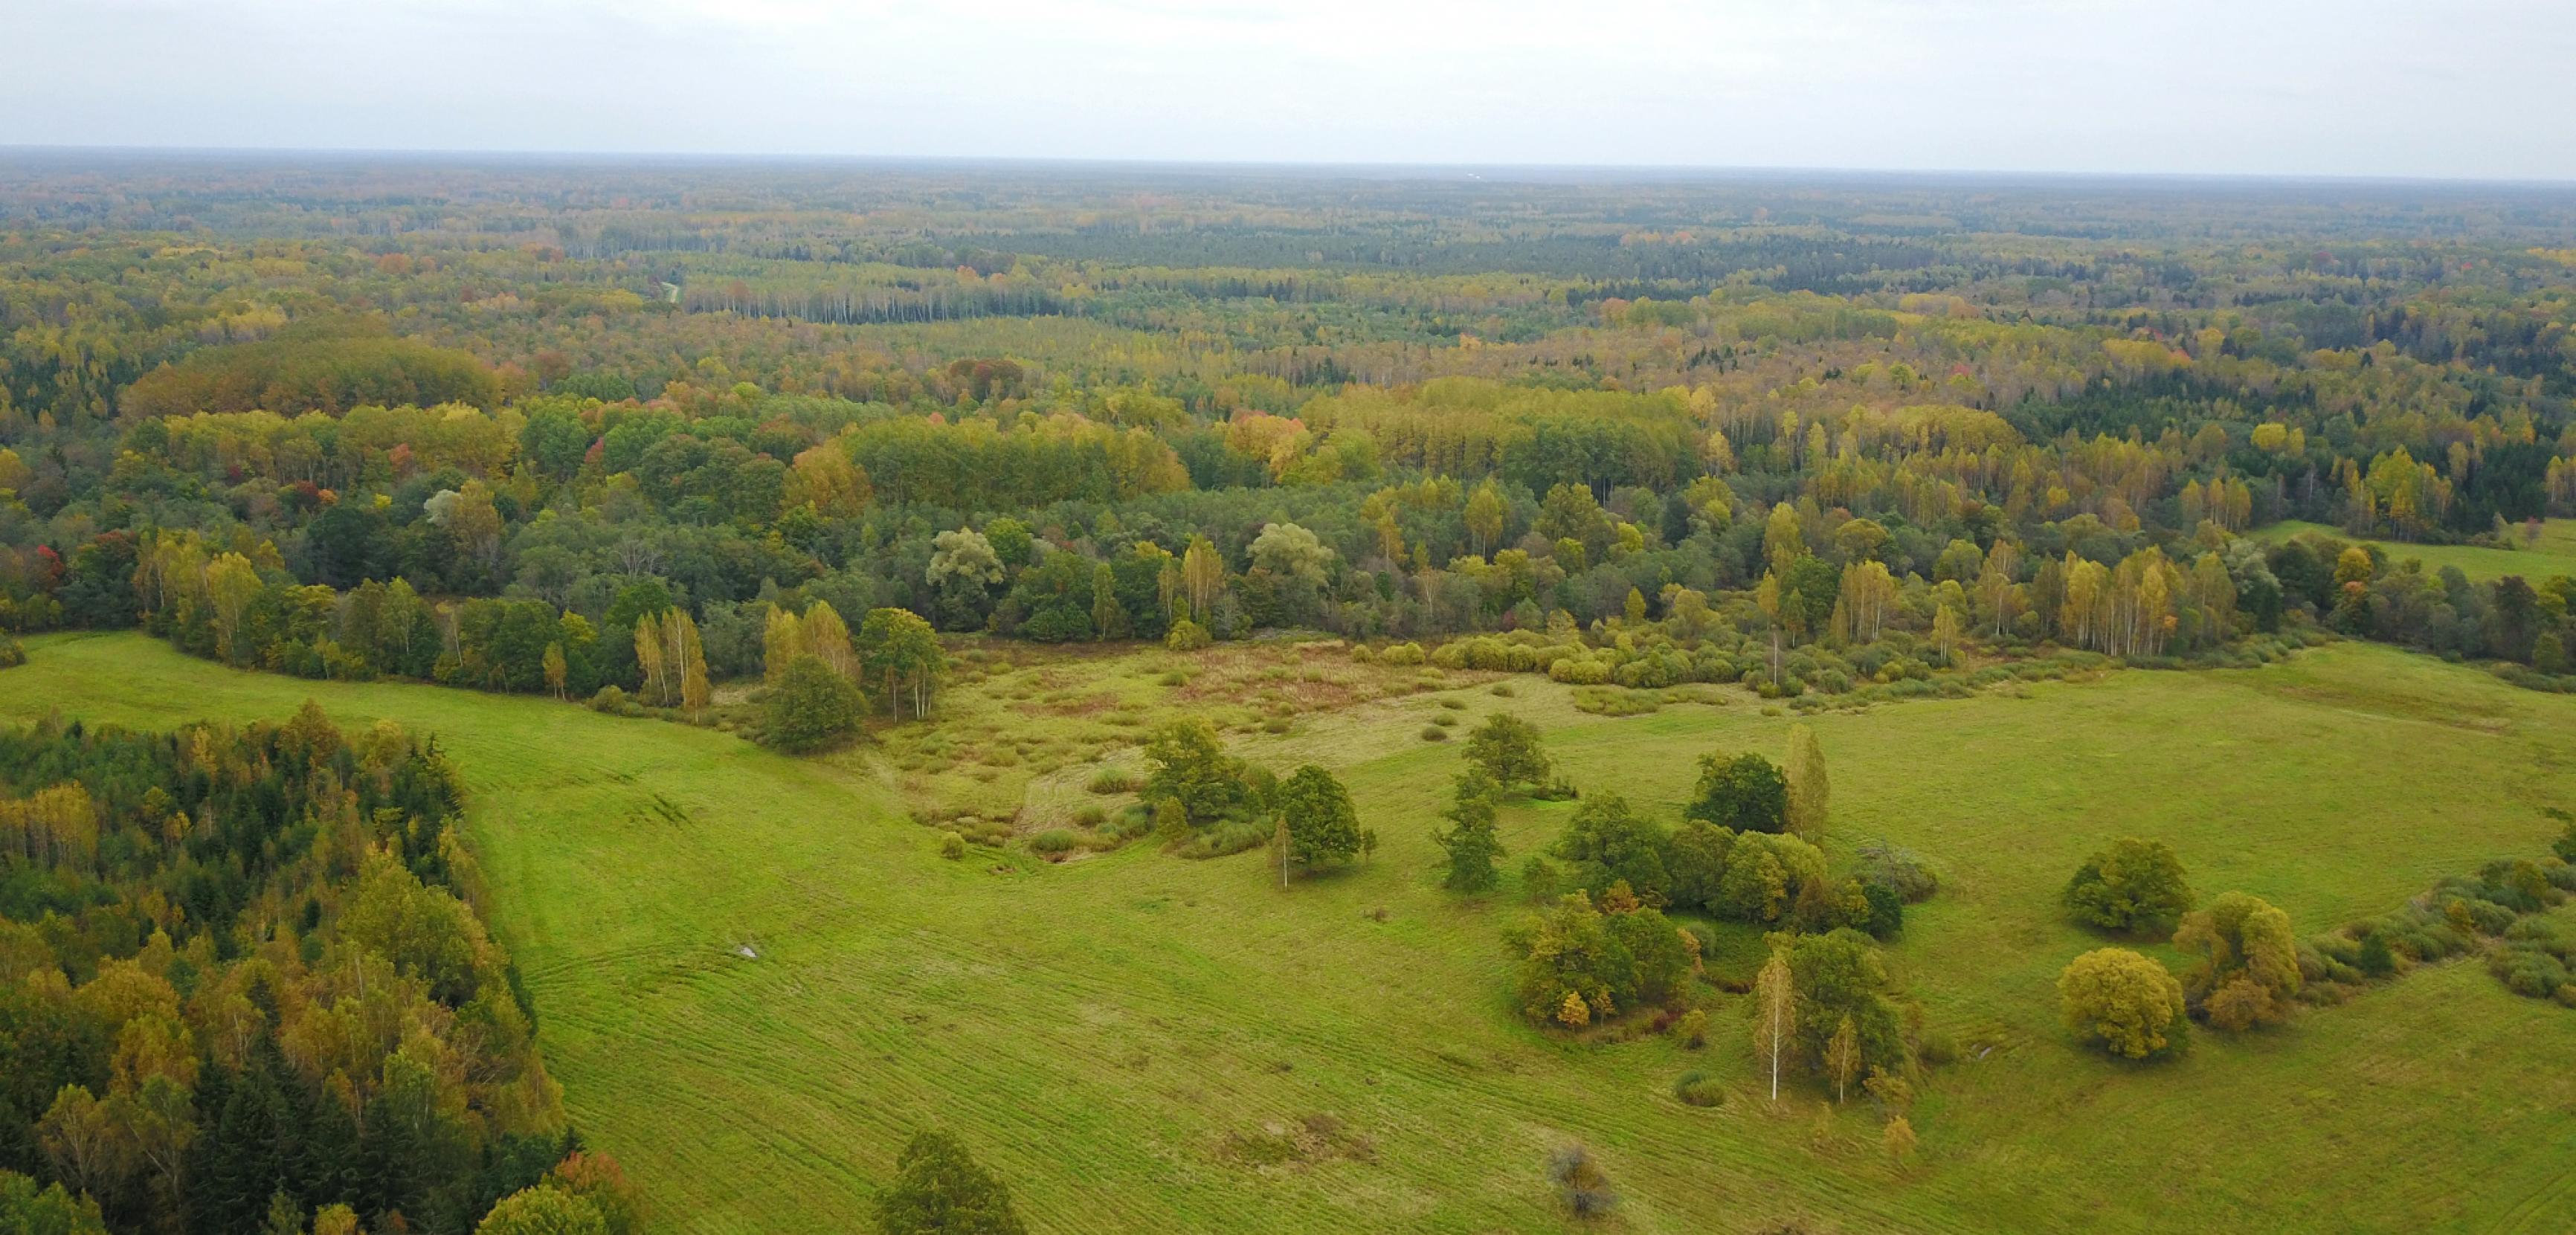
2447 88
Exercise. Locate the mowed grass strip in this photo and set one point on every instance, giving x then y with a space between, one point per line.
1112 1034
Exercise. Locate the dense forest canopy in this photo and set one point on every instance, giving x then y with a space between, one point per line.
1477 402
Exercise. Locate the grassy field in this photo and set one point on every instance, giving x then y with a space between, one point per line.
1141 1043
2552 556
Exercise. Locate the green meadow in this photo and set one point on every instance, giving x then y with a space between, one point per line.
2554 554
755 977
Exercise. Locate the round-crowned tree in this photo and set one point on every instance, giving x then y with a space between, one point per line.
2123 1002
1745 793
812 708
1509 750
1321 823
2135 886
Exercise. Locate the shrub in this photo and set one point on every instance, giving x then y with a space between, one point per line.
1434 733
952 846
1227 836
610 699
1090 817
1403 655
1581 1183
812 708
2121 1001
1502 690
1112 780
1186 636
1054 843
12 654
1697 1088
2136 886
1901 870
1692 1028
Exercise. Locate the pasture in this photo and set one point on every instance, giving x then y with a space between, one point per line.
2554 554
755 976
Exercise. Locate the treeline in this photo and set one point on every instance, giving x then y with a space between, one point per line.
212 601
248 987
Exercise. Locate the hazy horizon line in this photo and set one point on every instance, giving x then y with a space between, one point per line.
11 150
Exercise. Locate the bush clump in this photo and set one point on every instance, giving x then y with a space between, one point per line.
1054 843
1111 781
1899 870
1697 1088
812 708
1581 1183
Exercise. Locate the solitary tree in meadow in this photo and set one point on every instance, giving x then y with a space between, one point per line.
1470 840
940 1190
2136 886
1509 750
1316 819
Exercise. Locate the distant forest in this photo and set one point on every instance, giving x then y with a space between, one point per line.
1806 434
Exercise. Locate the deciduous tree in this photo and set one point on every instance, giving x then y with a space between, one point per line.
2122 1001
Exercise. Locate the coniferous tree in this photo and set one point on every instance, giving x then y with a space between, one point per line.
940 1190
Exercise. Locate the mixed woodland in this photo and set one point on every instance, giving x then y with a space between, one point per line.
640 435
